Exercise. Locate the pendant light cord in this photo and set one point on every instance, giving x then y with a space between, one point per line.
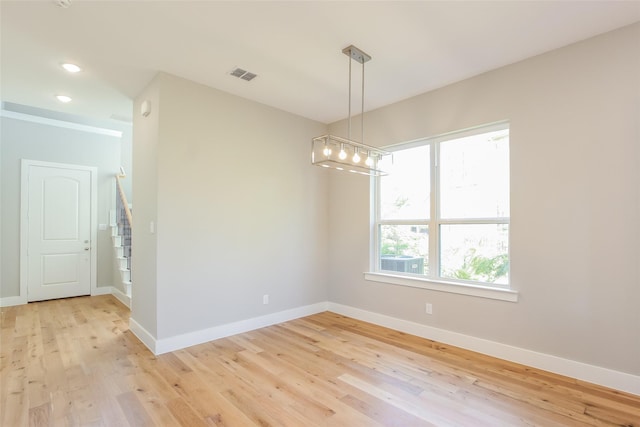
362 110
349 131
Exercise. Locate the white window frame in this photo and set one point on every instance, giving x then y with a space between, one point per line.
434 282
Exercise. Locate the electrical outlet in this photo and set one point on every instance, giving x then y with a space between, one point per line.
265 299
429 308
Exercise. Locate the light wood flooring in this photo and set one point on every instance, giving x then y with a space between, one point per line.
74 362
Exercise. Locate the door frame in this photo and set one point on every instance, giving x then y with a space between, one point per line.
24 220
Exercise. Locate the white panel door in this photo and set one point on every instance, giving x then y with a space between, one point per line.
59 232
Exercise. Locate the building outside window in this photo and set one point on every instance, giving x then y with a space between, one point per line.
442 213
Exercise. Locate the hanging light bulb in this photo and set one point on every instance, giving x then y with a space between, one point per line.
327 150
342 154
352 156
356 156
369 160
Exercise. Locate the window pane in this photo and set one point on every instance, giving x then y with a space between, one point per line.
404 248
478 252
474 176
405 192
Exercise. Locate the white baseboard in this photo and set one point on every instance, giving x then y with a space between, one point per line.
10 301
143 335
102 290
571 368
20 300
582 371
112 290
177 342
121 296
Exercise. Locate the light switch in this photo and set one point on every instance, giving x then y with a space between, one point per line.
102 227
152 227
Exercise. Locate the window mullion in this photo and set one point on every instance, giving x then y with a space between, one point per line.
434 234
404 222
496 220
374 219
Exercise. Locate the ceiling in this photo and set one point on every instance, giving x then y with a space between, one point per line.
294 47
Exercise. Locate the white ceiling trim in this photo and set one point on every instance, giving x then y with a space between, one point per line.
59 123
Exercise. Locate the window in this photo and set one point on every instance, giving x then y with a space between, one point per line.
442 213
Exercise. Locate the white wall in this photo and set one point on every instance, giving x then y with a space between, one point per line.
575 204
34 141
240 211
143 243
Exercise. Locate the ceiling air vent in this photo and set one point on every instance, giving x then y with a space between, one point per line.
243 74
238 72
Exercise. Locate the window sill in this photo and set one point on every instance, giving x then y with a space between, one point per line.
454 288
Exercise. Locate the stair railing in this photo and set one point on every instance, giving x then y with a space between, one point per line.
124 221
123 197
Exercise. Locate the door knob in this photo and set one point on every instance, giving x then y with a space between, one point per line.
86 249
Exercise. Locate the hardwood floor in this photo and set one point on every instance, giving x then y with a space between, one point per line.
74 362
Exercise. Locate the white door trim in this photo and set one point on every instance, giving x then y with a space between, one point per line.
24 220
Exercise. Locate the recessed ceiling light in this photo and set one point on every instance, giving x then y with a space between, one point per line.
63 98
72 68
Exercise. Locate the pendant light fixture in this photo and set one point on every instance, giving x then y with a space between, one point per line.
345 154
